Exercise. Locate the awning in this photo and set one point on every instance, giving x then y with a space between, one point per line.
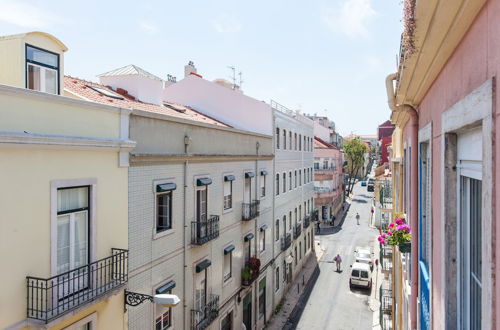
249 237
229 178
164 187
203 182
203 265
263 227
165 288
249 175
228 249
263 172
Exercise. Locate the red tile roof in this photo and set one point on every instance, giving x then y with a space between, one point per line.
81 88
323 144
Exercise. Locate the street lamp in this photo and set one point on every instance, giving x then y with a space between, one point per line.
166 300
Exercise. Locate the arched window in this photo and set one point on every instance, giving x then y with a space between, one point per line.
284 139
277 184
284 182
290 182
277 138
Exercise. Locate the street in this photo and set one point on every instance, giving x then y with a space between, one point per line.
332 304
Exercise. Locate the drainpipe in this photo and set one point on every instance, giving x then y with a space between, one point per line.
391 100
187 141
257 232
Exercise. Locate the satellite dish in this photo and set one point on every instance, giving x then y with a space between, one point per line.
166 300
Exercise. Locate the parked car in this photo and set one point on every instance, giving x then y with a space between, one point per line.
371 185
364 256
363 183
361 275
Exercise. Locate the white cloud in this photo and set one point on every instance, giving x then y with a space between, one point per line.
226 24
351 17
26 15
148 27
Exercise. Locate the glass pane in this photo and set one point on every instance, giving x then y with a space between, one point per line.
33 77
364 274
62 244
41 56
72 199
80 246
355 273
50 81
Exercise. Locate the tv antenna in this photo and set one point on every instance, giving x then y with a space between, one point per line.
233 75
240 74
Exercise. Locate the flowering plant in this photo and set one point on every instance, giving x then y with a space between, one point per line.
398 233
251 269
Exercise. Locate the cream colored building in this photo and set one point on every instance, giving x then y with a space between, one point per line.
64 170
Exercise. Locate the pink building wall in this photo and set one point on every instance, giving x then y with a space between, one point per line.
475 60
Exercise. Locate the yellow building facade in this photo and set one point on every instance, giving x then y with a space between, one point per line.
64 174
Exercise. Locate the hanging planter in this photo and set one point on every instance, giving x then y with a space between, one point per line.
398 234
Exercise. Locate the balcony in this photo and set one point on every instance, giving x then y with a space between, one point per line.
297 230
307 221
204 231
250 272
203 317
250 210
286 241
49 298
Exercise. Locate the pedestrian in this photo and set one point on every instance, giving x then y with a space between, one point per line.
357 217
337 260
318 228
333 220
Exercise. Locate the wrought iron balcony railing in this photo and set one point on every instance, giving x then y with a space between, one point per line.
49 298
286 241
250 210
307 221
203 317
205 230
297 230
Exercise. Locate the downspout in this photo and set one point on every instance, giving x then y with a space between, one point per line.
412 112
187 141
257 232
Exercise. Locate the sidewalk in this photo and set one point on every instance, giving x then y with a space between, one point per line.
293 301
378 278
339 221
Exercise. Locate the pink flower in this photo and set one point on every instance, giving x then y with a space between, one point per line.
391 225
389 233
400 221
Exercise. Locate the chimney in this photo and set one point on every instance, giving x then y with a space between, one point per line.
189 69
170 80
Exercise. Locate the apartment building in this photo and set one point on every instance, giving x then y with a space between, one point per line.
444 102
328 179
64 249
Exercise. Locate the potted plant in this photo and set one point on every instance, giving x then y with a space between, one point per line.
398 234
251 270
245 276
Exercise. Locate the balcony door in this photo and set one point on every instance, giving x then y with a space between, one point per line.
201 211
200 296
247 193
72 239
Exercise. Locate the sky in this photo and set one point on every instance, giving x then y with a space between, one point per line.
317 56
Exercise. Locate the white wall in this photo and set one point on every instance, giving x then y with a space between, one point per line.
224 104
142 88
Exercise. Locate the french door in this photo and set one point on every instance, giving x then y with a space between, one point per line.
201 211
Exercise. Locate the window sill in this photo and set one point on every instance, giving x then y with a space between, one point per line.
228 281
161 234
224 211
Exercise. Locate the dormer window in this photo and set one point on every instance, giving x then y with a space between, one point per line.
42 70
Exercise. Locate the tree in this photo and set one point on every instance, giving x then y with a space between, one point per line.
354 151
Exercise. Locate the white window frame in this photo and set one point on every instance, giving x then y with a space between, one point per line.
262 186
230 277
230 182
262 241
170 231
156 306
92 319
54 186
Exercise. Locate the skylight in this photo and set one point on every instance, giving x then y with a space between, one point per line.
106 92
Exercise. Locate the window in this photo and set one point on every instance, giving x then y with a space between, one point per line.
72 228
305 146
163 315
262 240
227 322
200 290
290 140
228 194
277 184
277 230
295 141
284 182
290 220
300 142
284 271
300 250
300 177
296 216
300 211
316 165
296 257
325 164
228 262
163 209
201 203
263 183
425 235
42 70
284 139
295 174
284 225
290 182
87 323
262 297
277 278
277 138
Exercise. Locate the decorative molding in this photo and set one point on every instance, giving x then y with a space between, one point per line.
152 159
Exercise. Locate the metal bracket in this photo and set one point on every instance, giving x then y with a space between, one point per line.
135 299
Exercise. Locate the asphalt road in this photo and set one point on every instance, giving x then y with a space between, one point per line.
332 304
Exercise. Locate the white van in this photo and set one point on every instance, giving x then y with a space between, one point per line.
361 275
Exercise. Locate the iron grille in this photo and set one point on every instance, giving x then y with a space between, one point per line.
202 318
286 241
250 210
297 230
204 231
49 298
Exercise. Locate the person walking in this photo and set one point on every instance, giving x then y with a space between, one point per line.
337 260
318 228
357 218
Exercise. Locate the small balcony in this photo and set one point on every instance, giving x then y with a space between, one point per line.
250 210
250 272
204 231
49 298
286 241
297 230
307 221
203 317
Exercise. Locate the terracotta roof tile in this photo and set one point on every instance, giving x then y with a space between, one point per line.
81 88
